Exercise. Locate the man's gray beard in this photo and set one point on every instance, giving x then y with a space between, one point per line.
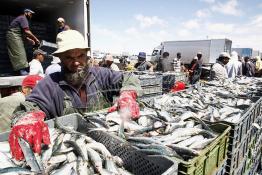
76 79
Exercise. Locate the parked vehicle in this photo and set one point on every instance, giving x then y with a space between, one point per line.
243 51
210 49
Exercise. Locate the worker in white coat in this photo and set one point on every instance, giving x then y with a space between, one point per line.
218 71
234 67
36 67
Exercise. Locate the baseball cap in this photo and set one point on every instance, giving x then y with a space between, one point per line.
31 80
29 10
38 51
142 54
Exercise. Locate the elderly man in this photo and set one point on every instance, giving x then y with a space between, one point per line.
218 71
9 103
15 45
77 88
62 25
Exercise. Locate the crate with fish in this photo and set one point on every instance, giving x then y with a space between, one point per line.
210 157
236 156
157 132
151 91
152 79
73 151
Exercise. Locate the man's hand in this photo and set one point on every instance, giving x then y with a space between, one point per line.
127 102
32 128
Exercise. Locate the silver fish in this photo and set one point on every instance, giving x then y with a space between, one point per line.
29 156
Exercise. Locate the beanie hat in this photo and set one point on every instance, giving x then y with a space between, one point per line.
31 80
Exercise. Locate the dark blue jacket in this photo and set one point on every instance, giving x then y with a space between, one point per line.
50 92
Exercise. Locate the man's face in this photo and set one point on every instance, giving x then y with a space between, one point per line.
108 63
74 63
225 60
74 60
40 57
60 24
199 56
28 15
26 90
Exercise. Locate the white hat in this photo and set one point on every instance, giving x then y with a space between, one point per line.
224 54
195 58
109 58
199 52
61 19
56 60
68 40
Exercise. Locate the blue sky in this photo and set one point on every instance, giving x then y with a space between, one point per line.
140 25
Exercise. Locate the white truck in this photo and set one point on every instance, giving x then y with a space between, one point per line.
44 22
210 49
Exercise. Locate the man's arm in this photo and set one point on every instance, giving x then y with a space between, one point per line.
31 35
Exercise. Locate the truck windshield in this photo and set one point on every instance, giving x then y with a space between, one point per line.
154 53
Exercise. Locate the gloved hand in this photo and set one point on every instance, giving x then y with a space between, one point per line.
127 101
32 128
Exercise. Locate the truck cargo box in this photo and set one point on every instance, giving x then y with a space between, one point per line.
210 49
43 24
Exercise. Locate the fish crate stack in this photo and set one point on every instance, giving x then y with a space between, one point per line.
133 160
151 84
5 64
211 160
240 137
169 79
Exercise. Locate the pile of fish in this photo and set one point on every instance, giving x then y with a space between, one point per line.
70 152
212 102
158 132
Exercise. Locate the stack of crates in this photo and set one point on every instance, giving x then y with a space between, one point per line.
43 31
170 78
5 64
244 151
151 84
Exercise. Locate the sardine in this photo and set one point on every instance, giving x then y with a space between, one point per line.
29 156
16 170
201 144
191 140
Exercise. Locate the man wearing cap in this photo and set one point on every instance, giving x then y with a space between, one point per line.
54 67
61 25
36 67
218 70
77 88
142 64
19 28
109 61
9 103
